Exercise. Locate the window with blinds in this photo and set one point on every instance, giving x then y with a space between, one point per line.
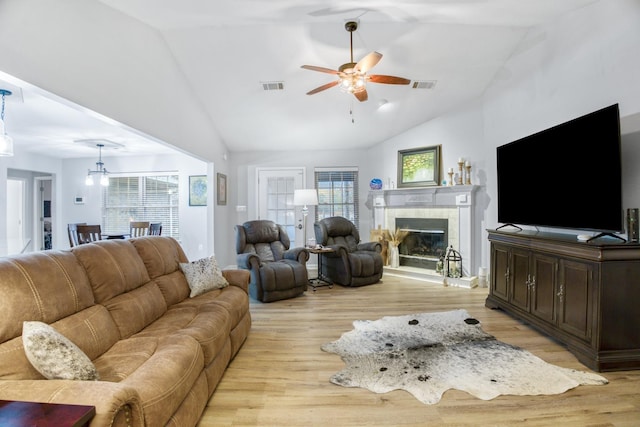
337 193
152 198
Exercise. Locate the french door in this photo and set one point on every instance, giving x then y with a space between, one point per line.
275 200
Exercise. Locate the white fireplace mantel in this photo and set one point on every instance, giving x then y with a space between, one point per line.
460 198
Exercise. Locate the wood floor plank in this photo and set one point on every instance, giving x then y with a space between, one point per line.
280 377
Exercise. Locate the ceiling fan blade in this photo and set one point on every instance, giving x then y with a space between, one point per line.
390 80
368 62
323 87
362 95
321 69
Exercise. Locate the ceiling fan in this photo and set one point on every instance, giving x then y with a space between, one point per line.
353 77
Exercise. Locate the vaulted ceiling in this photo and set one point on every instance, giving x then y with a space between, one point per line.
228 51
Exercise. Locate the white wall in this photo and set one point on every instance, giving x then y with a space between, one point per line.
68 182
244 191
193 219
583 62
580 63
68 48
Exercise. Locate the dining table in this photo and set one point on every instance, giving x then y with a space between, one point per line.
111 236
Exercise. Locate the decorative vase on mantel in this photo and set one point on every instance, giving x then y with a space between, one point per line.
394 256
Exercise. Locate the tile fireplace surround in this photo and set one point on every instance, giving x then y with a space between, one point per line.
455 203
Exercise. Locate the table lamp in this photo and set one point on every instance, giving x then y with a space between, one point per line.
305 198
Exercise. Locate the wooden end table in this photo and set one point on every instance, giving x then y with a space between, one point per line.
320 280
27 414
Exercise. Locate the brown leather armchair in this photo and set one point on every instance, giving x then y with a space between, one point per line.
353 263
277 272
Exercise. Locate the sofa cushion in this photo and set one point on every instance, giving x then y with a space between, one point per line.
160 255
44 286
162 369
92 330
203 275
134 310
209 324
55 356
165 379
113 266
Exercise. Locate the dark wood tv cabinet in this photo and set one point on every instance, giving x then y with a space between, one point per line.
585 295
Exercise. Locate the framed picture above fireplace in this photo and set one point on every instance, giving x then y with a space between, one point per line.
419 167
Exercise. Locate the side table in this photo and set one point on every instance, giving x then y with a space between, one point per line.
320 280
27 414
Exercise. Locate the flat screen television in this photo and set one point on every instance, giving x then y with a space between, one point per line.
568 176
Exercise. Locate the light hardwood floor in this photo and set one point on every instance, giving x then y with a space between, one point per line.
281 377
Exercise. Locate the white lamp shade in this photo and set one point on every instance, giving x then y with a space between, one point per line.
6 146
305 197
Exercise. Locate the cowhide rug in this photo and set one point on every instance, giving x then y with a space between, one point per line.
427 354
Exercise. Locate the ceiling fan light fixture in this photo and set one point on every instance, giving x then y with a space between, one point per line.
353 83
352 76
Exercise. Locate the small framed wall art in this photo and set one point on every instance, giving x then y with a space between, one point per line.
198 190
419 167
221 183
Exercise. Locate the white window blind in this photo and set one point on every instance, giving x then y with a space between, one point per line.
153 198
337 193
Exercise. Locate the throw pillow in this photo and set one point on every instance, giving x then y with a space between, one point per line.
55 356
203 275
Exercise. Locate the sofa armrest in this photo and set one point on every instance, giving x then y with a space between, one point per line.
239 278
297 254
246 260
116 404
370 246
339 251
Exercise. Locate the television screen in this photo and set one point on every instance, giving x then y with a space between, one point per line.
567 176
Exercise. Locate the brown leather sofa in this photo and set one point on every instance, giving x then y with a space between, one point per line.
352 263
125 303
277 272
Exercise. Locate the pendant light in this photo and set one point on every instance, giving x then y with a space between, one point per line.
100 170
6 142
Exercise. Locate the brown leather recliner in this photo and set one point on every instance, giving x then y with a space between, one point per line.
353 263
277 272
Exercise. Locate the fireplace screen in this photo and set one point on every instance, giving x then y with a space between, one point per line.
426 242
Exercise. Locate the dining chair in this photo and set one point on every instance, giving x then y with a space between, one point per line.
72 229
155 229
89 233
138 228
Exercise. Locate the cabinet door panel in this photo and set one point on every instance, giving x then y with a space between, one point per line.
575 298
500 272
543 289
520 275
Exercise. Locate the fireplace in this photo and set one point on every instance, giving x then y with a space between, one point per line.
426 242
453 204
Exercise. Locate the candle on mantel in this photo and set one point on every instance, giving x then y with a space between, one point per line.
450 170
467 163
460 160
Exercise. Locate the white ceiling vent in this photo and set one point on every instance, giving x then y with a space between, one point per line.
272 85
423 84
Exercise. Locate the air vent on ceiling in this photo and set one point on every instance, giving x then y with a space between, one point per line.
272 85
423 84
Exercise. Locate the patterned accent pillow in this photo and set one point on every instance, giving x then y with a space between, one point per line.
54 356
203 276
